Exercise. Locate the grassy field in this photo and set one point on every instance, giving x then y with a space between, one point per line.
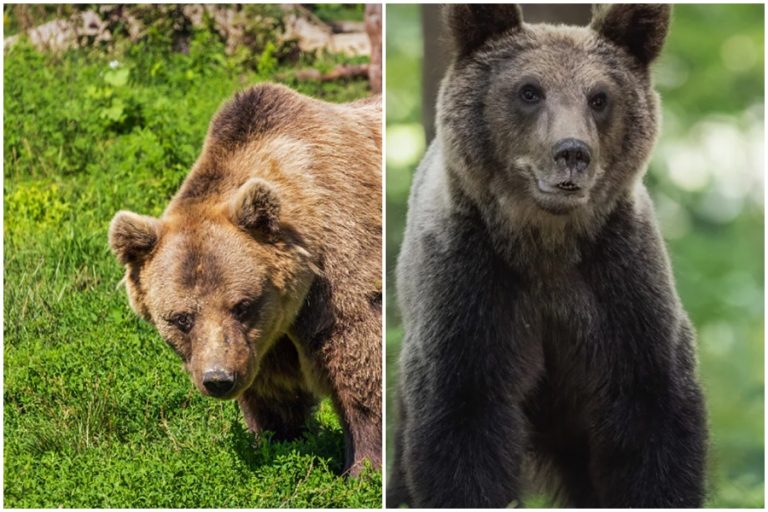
98 412
706 180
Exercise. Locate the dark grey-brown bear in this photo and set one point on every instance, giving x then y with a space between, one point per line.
544 337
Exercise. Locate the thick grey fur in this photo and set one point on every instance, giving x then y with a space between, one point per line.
544 340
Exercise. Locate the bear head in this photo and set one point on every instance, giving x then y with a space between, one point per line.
553 119
221 283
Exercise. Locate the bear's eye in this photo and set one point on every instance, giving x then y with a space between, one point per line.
598 102
242 310
531 94
182 321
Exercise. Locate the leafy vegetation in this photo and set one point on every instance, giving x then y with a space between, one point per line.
706 179
98 412
339 12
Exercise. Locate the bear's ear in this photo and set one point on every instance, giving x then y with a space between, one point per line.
638 28
256 208
471 25
132 237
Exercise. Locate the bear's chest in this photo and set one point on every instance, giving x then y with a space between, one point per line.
561 298
560 313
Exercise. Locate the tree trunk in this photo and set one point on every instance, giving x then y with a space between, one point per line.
373 27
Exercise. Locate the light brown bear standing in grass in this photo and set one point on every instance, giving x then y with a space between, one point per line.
264 272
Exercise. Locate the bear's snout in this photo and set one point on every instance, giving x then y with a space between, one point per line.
218 382
572 155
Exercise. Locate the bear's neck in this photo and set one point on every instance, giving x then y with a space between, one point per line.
528 237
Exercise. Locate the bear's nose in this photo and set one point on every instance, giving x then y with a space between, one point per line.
218 382
572 154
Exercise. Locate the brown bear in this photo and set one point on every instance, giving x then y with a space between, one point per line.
542 327
264 271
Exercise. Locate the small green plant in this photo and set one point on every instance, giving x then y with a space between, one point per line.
267 63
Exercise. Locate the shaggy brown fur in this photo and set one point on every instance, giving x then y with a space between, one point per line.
262 269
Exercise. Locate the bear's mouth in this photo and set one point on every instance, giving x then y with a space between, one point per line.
565 187
559 197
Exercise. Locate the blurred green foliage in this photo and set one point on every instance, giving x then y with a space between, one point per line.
97 411
339 12
706 178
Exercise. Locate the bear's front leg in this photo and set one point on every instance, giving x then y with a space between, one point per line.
649 435
340 345
284 415
463 448
278 400
650 453
362 439
353 368
649 445
471 354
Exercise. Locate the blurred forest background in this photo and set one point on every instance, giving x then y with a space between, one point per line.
706 180
106 108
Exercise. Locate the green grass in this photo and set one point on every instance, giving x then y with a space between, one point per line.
98 412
